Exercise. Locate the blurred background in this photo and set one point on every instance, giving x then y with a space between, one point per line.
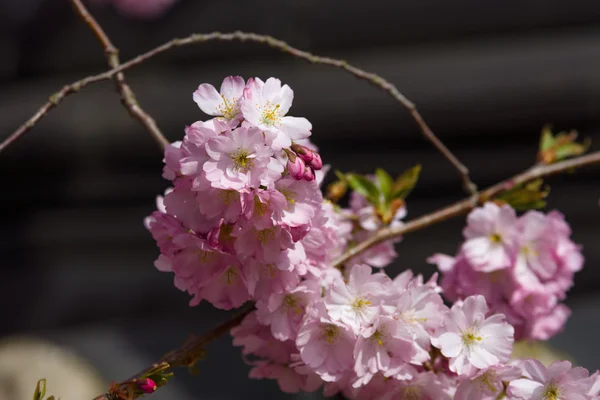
76 265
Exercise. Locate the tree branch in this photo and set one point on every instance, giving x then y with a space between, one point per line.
466 205
270 41
128 98
188 353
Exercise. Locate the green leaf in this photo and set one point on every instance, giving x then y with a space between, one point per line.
563 145
40 390
386 183
406 182
364 186
526 197
340 175
546 139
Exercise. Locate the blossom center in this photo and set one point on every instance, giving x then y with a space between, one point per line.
230 275
228 108
412 393
378 337
471 337
330 333
291 302
528 251
486 381
551 392
265 235
259 207
496 238
205 256
228 196
359 304
290 196
242 160
271 114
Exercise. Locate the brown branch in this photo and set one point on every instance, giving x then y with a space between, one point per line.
188 353
270 41
466 205
128 98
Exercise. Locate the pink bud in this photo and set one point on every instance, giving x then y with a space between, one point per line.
316 163
303 152
296 167
309 174
147 385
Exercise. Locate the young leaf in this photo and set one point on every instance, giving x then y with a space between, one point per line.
40 390
406 182
364 186
386 183
525 197
554 148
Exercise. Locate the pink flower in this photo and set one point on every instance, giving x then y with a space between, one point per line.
385 345
558 381
284 312
536 245
487 384
266 278
256 339
422 310
240 159
325 346
265 245
264 207
469 339
424 386
490 235
356 304
289 380
265 105
303 200
224 105
181 203
220 203
228 289
172 156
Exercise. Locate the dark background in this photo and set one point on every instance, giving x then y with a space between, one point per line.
76 264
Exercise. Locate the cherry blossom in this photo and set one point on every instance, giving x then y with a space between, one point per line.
472 340
223 104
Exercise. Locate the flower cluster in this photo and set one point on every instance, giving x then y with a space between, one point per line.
245 220
522 265
241 222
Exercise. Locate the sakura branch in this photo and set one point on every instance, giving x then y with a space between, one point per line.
468 204
197 38
128 97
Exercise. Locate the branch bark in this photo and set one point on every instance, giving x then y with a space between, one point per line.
182 355
128 98
270 41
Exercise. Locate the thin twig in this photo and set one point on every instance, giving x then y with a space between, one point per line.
182 355
128 98
466 205
189 352
270 41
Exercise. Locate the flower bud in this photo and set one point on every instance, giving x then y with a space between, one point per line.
309 174
304 153
295 166
147 385
316 163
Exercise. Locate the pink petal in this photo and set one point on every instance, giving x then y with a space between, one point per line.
208 99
